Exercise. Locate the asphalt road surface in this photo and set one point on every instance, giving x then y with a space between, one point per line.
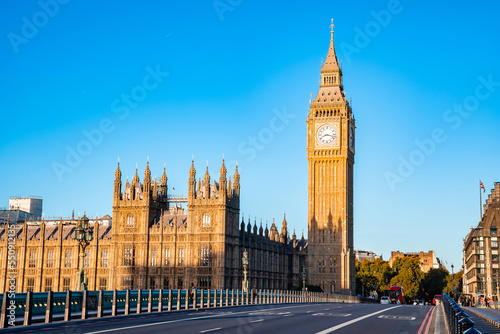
319 318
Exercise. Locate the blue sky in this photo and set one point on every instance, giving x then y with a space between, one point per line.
170 80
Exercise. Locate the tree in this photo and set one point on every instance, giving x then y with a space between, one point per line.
408 275
374 275
434 282
454 284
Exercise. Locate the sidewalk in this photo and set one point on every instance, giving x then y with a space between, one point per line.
488 314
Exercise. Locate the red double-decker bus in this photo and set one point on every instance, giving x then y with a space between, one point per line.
396 294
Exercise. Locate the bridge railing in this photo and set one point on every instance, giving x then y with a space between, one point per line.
458 321
32 307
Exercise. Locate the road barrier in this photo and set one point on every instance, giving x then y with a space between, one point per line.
458 321
36 307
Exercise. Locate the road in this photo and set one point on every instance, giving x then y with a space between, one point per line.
321 318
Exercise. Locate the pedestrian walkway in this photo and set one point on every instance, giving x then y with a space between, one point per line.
438 324
485 320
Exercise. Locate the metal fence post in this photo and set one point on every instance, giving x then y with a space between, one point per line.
186 306
127 302
28 311
67 306
160 300
85 312
202 298
237 297
221 298
150 301
100 303
50 307
227 297
169 306
115 302
232 297
209 298
178 299
139 301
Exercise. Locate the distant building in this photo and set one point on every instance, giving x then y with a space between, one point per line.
480 252
362 255
428 260
31 204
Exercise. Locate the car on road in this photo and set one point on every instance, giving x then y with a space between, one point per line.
385 300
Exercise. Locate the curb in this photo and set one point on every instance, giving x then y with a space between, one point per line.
484 317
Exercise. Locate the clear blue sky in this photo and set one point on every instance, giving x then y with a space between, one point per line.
412 68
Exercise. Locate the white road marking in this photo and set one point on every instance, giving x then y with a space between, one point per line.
178 320
334 328
210 330
257 320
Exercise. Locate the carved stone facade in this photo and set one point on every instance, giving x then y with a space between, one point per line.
152 242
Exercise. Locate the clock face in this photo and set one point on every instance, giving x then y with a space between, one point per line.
326 134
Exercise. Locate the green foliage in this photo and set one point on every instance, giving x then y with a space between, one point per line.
375 273
408 275
454 284
434 282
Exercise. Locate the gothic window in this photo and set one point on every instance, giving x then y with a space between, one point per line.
205 283
331 266
128 255
103 283
167 256
104 257
206 220
50 258
48 284
68 254
66 283
153 256
205 256
152 282
128 282
130 221
32 259
86 262
166 282
181 256
180 282
30 284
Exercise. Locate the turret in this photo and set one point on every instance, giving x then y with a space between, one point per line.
261 230
223 182
207 183
146 187
118 182
192 181
284 231
236 184
163 183
294 239
249 226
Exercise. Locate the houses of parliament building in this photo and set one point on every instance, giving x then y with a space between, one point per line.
151 241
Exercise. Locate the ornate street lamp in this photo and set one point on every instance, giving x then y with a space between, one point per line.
452 282
304 279
245 264
84 235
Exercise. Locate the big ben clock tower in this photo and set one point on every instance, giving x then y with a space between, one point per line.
330 153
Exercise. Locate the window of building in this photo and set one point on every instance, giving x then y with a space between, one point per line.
205 282
152 282
494 244
167 256
206 220
86 261
128 282
493 230
481 257
68 254
130 221
66 283
50 258
205 256
128 255
166 282
153 256
181 256
32 259
104 257
180 282
48 284
103 283
30 284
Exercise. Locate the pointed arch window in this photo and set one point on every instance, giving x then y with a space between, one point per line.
206 220
130 221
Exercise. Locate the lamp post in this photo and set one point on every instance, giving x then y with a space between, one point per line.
304 279
84 235
452 282
245 264
333 285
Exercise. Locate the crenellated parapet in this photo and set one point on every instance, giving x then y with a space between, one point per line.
493 199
